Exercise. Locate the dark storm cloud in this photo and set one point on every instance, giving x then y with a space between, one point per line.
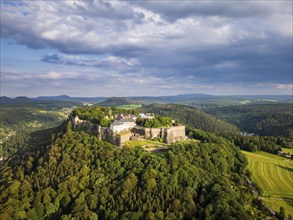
248 62
192 44
72 27
103 9
173 10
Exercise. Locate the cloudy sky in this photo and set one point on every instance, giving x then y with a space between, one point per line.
130 48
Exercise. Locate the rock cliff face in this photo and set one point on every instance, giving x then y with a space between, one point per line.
123 138
175 133
169 135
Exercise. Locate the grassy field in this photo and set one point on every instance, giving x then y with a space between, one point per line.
124 132
129 106
141 143
274 174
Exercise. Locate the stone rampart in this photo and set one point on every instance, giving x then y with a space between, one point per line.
175 133
123 138
169 135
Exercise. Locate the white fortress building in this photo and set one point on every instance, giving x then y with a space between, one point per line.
126 122
123 123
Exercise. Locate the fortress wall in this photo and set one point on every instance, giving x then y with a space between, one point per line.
176 133
124 138
156 132
139 130
169 135
115 140
147 133
105 134
87 127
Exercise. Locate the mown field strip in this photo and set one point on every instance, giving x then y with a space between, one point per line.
268 174
255 165
284 178
274 174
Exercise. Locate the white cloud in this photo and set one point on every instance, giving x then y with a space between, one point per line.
98 27
155 42
105 62
285 86
51 75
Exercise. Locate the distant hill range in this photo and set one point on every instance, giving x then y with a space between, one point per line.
21 99
135 99
116 101
25 101
191 116
203 101
74 99
263 119
170 99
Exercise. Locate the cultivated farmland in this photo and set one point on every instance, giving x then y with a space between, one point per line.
274 174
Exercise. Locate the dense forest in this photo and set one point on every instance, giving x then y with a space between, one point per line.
157 122
269 144
74 175
26 115
204 101
28 102
262 119
21 118
59 173
190 116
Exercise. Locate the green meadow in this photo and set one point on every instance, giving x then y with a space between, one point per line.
274 174
143 143
129 106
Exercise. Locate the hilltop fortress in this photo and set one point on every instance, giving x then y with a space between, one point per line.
124 128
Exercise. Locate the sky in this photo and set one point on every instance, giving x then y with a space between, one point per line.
146 48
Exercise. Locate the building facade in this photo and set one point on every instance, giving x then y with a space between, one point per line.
123 123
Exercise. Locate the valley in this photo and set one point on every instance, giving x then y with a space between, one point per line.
23 115
202 168
146 110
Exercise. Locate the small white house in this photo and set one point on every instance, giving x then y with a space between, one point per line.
146 115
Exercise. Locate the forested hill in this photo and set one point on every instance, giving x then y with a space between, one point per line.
77 176
23 101
18 100
116 101
190 116
262 119
25 115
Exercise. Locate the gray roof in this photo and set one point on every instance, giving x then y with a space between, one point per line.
120 122
116 122
127 120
